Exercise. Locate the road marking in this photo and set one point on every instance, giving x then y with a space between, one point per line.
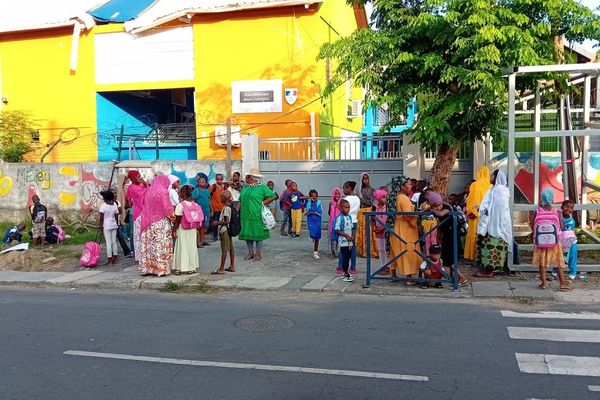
551 364
552 315
262 367
594 388
555 335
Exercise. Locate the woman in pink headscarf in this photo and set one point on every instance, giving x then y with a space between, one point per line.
156 253
334 211
133 200
378 228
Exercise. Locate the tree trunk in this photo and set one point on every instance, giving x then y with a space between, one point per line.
442 168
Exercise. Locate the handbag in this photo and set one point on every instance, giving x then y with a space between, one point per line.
268 218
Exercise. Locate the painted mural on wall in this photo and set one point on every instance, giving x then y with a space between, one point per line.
550 174
74 189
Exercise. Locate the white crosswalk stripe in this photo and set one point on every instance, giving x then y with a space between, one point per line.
557 364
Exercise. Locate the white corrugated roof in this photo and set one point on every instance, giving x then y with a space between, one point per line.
167 10
23 15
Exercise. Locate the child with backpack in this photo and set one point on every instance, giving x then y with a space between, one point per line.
39 214
14 234
334 211
344 231
314 214
54 233
223 228
188 217
547 251
568 239
109 223
296 199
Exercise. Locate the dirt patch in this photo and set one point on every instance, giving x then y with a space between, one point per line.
58 258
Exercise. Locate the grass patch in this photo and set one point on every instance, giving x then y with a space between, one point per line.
524 300
66 252
200 287
82 236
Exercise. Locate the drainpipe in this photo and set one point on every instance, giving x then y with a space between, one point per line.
81 22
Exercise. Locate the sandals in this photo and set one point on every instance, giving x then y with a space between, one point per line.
257 258
177 272
249 257
543 286
565 288
217 272
230 269
465 281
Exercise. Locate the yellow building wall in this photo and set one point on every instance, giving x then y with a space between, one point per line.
36 78
269 44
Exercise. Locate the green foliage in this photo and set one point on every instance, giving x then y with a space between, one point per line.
16 128
451 53
199 287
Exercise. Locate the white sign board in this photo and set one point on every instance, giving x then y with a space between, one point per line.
256 96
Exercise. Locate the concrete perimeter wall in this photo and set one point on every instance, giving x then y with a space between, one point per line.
71 191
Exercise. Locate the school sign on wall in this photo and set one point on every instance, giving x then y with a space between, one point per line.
262 96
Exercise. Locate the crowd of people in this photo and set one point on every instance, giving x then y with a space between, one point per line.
169 222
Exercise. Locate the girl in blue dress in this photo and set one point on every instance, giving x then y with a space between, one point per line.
314 213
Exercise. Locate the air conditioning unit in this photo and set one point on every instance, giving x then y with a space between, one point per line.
221 135
354 109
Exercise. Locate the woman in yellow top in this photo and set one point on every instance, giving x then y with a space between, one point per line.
405 226
476 194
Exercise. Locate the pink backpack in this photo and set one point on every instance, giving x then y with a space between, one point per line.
193 217
91 255
61 233
546 229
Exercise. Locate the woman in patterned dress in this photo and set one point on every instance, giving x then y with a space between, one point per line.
156 253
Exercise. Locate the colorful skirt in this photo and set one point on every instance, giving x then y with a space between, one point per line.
361 238
156 249
548 258
491 252
137 238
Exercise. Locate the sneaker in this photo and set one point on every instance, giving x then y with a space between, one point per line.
439 285
339 271
283 234
130 255
348 279
316 255
353 271
572 277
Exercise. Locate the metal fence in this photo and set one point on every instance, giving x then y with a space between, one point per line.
450 218
331 148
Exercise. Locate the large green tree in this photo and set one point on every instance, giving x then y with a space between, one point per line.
450 54
16 128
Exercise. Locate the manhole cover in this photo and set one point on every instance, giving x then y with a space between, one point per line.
264 323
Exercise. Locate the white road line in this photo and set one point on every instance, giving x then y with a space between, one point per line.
554 335
262 367
551 364
552 315
594 388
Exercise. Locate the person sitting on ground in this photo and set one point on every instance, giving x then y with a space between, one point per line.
433 268
54 233
39 214
14 234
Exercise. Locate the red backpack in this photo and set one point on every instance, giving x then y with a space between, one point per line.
546 229
193 217
91 255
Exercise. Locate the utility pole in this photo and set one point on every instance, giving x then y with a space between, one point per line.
228 164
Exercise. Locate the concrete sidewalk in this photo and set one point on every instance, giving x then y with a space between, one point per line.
288 266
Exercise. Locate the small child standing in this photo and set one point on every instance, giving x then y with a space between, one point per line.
109 217
296 200
547 252
334 211
185 257
381 206
569 239
314 214
39 214
433 268
226 244
344 229
354 202
273 205
284 205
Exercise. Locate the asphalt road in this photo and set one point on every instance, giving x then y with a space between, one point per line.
431 349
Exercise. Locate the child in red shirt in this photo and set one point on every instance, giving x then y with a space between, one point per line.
433 268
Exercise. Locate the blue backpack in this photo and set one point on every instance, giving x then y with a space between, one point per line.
334 235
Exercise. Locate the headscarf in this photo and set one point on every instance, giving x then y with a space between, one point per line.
395 190
132 174
202 175
365 193
156 202
334 207
172 179
479 188
434 198
547 197
379 193
495 216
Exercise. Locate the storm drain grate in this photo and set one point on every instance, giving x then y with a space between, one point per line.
264 323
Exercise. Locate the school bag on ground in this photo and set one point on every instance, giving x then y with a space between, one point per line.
60 235
193 217
546 229
39 214
91 255
235 224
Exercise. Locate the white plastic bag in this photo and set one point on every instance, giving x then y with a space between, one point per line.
268 218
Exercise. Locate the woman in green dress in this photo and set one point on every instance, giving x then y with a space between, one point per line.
252 198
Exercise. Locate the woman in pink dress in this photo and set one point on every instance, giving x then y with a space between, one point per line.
334 211
156 242
133 199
